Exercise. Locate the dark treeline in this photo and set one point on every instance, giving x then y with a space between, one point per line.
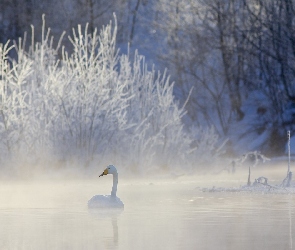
233 58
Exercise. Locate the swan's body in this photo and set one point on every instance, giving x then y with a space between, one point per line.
107 201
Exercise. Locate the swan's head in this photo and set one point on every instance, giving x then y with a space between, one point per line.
109 170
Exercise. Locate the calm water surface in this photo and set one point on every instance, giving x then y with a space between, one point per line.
158 215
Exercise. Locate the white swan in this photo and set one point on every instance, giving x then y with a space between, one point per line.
107 201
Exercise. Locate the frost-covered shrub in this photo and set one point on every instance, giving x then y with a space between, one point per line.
157 134
93 105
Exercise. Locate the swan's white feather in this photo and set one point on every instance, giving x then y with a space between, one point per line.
105 201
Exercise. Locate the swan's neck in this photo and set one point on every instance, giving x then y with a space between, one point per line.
115 184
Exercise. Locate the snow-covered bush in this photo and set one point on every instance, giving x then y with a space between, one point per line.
92 105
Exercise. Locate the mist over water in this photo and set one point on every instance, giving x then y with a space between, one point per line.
160 213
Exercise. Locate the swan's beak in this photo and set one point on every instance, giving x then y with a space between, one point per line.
105 172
